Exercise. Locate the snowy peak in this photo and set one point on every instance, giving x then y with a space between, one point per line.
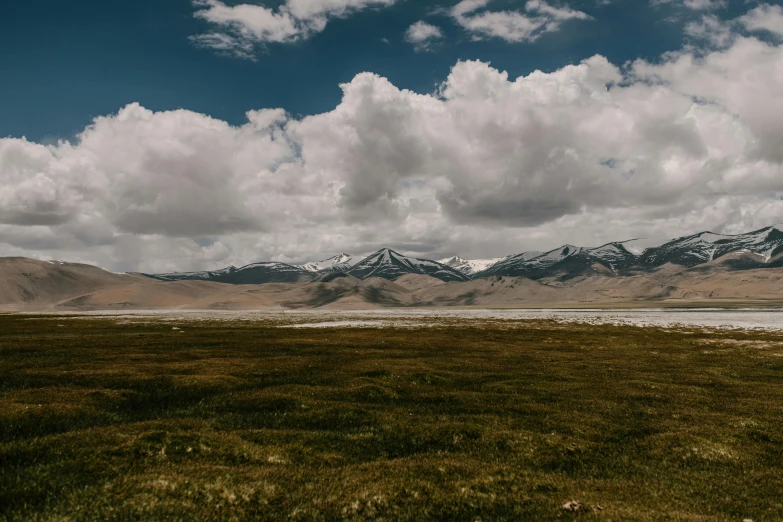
706 246
469 266
208 275
388 264
338 263
556 255
528 263
252 274
611 253
565 261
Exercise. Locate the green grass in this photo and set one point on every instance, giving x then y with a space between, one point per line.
493 421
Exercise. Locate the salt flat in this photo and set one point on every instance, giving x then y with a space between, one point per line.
770 319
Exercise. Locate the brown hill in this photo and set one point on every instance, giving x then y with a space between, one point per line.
494 291
712 281
27 283
151 294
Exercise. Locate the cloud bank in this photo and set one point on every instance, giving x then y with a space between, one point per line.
487 166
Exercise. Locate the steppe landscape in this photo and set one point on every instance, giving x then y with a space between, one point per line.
648 395
359 416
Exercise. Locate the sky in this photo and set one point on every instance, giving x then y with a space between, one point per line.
196 134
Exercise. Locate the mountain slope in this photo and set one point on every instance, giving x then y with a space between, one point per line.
29 282
388 264
701 248
207 275
253 274
338 263
566 262
469 266
527 263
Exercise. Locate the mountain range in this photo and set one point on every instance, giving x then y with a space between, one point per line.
698 270
759 249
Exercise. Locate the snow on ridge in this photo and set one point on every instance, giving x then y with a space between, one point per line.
469 266
557 254
326 264
261 263
687 250
526 256
391 263
273 265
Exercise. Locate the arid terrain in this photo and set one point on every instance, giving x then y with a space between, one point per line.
27 284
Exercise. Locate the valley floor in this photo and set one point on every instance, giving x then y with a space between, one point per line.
490 417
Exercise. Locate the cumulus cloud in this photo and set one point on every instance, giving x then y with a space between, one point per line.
715 32
240 28
32 190
538 17
488 165
422 35
765 17
710 29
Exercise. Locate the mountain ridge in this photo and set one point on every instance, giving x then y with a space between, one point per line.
562 263
27 285
469 267
338 263
389 264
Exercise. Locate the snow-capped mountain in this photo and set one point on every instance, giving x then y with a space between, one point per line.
527 264
469 266
338 263
561 263
704 247
253 274
566 261
209 275
614 256
570 261
388 264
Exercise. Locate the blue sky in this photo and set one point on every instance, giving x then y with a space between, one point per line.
71 61
196 134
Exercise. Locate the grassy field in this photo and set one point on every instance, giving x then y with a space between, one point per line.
101 420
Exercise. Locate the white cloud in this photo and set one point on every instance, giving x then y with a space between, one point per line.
226 45
238 29
422 35
765 17
538 18
32 191
696 5
705 4
712 30
488 166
